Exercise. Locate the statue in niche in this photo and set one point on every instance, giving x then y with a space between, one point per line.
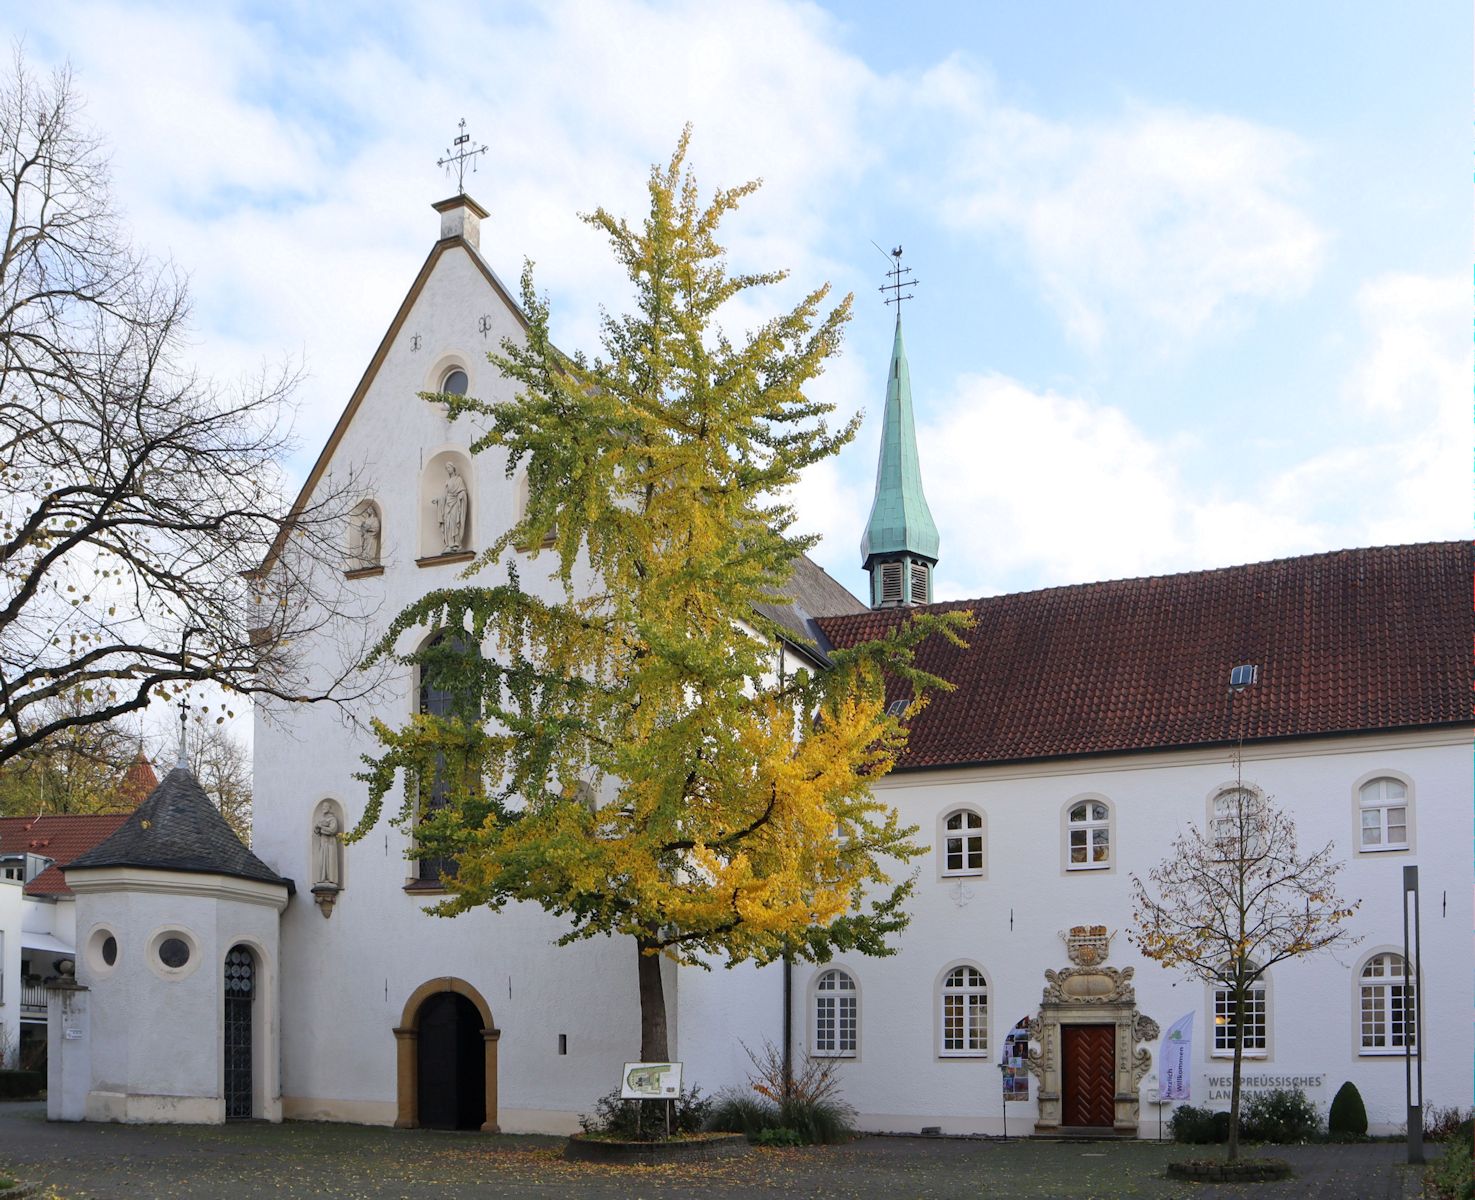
368 536
452 505
327 868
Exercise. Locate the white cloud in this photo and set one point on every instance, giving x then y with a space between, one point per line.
1158 223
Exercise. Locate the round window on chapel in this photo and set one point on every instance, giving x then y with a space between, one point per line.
455 382
174 952
110 950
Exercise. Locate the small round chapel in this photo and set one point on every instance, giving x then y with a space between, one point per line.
178 919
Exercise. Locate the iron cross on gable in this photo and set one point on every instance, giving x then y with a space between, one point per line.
458 154
900 281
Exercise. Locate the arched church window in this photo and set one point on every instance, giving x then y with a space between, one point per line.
240 992
1385 994
962 843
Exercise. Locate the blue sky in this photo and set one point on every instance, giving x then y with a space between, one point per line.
1195 280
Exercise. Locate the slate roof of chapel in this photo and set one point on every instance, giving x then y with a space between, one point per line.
178 829
1346 642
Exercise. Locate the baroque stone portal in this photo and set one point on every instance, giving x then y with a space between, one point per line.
1090 994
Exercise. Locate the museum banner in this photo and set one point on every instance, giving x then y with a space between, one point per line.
1174 1058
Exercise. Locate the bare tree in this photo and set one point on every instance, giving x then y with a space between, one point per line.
136 498
221 762
1229 904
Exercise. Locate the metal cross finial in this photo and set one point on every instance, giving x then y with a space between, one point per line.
458 154
900 281
183 730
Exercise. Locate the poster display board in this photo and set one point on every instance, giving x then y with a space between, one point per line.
650 1081
1015 1073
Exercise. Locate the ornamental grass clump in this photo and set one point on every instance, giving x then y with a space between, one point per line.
789 1109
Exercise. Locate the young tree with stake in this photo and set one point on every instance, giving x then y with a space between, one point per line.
1229 904
737 818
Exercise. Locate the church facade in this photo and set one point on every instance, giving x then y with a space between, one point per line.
1089 725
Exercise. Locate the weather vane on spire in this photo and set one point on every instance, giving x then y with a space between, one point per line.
900 281
458 154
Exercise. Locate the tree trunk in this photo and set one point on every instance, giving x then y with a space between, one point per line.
1239 1050
653 1042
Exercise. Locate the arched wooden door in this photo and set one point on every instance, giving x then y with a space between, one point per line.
451 1067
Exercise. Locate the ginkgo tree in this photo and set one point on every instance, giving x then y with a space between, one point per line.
626 755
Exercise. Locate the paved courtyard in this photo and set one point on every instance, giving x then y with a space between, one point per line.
345 1162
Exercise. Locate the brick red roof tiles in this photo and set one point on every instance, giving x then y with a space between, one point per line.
62 838
1345 642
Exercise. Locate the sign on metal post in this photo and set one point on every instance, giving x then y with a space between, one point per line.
651 1081
1413 1047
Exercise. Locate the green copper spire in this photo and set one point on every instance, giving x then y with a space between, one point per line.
901 525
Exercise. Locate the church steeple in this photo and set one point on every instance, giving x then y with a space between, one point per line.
900 545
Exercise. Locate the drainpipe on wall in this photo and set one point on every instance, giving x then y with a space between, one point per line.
788 960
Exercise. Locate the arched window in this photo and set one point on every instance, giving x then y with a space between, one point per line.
1237 823
240 992
1386 1005
1256 1018
1088 836
448 688
964 1015
836 1014
962 843
1383 814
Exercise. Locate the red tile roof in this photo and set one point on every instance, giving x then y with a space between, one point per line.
1345 642
62 838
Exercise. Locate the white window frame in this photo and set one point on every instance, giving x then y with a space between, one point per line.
833 992
964 835
1091 826
1383 805
969 997
1221 1001
1385 992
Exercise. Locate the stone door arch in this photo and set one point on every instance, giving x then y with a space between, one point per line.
1090 1009
407 1036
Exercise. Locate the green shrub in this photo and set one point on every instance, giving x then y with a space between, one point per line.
1195 1126
19 1085
779 1135
1282 1115
1347 1119
1452 1177
628 1121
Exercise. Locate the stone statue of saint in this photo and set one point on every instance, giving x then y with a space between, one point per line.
325 849
368 536
452 504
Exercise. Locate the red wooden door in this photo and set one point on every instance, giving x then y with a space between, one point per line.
1088 1074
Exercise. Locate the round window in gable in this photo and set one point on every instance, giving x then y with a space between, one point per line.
455 383
110 950
174 952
